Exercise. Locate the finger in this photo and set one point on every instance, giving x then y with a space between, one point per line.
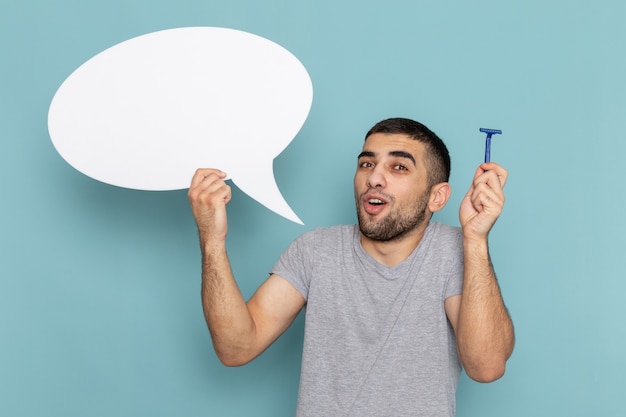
491 179
209 188
501 173
202 173
213 188
486 198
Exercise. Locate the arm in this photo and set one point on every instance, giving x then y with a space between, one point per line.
240 331
483 327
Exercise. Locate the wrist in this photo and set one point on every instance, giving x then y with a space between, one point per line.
211 242
475 244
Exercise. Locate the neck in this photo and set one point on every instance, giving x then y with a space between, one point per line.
393 252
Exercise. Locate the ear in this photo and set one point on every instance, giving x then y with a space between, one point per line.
439 195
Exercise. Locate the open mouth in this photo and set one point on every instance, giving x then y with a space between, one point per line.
375 201
374 204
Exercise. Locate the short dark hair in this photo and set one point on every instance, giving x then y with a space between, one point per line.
437 155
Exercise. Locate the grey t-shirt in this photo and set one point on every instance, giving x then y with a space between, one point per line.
377 340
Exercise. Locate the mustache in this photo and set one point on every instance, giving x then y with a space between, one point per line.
376 193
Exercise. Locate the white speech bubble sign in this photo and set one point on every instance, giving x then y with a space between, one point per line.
147 112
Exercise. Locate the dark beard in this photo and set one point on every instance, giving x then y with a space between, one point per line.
396 225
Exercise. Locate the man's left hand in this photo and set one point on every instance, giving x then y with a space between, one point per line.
483 202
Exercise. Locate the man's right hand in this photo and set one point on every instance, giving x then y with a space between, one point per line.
240 331
208 195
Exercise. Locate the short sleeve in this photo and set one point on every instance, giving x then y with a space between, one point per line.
454 285
294 264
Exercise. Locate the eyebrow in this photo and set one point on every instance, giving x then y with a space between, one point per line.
398 154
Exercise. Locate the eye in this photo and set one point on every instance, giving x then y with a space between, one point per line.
400 167
366 164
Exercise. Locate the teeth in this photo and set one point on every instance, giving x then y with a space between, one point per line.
375 201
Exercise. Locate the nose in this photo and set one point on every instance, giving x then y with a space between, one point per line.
376 178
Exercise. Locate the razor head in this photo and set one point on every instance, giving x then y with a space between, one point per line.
490 131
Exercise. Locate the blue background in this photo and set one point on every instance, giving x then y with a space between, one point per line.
99 286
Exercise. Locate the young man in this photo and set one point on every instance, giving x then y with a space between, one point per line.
395 305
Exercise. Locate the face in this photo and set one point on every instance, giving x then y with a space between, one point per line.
391 187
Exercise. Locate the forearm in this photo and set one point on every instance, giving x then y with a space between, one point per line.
485 330
225 310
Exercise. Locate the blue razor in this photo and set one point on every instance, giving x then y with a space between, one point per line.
489 133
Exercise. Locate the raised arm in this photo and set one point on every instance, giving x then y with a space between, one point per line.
483 327
240 331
